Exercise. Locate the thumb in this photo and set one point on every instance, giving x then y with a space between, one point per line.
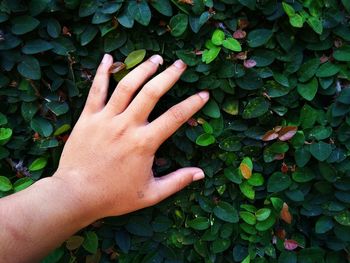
169 184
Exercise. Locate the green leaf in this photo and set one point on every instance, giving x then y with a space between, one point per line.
58 108
87 7
23 24
342 53
90 243
36 46
178 24
199 223
220 245
163 7
54 256
140 11
210 54
303 175
288 9
277 203
343 218
212 109
316 24
74 242
256 179
230 106
266 224
296 21
114 40
5 184
308 90
308 69
41 126
346 5
323 225
302 156
259 37
248 217
278 182
53 28
218 37
29 68
232 44
321 150
38 164
255 108
247 190
327 70
262 214
22 184
205 139
226 212
62 129
88 35
287 257
5 135
134 58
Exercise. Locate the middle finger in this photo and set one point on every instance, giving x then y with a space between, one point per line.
149 95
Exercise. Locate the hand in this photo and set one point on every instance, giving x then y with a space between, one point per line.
109 155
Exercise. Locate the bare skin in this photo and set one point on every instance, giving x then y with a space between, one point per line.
106 165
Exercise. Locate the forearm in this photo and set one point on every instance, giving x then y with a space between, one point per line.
38 219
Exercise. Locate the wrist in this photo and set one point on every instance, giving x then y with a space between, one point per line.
87 207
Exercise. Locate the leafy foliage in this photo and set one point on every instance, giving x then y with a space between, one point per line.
273 140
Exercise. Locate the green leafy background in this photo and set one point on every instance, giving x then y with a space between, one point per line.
293 71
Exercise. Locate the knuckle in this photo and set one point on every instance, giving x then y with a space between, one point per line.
153 197
95 89
142 140
151 92
124 86
177 114
147 68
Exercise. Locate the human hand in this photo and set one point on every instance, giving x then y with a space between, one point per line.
108 157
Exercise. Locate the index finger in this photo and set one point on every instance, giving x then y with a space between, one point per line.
166 124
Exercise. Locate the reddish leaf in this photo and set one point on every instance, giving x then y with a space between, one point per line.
189 2
245 170
285 214
281 233
250 63
324 59
242 55
239 34
279 156
290 244
116 67
277 128
192 122
284 168
243 23
269 136
287 133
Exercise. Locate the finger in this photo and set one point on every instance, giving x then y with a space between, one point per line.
167 185
165 125
99 89
149 95
126 88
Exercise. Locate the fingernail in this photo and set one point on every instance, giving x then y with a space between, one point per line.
156 59
204 95
179 64
106 58
198 176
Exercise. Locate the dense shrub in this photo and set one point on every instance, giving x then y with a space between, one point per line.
273 140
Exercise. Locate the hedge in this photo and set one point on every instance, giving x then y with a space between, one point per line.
273 140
